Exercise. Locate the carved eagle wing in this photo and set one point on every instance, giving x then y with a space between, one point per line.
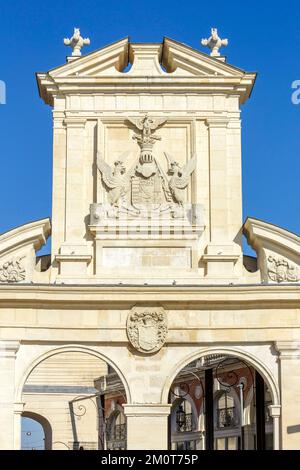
188 169
157 122
137 123
181 181
107 173
123 156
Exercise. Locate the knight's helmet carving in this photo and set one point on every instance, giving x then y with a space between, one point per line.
146 155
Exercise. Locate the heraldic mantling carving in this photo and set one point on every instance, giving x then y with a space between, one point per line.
147 328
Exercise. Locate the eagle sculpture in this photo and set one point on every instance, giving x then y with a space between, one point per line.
180 177
116 180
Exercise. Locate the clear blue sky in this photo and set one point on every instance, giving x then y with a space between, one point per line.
32 435
263 37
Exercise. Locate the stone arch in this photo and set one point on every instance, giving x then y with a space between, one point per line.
241 354
64 349
45 425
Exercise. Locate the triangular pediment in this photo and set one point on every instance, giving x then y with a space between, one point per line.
108 60
171 58
182 60
169 64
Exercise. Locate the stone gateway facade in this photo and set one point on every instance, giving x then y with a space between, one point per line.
147 327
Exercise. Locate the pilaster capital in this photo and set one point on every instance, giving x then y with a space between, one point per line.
217 122
147 409
18 408
9 349
288 349
75 122
274 411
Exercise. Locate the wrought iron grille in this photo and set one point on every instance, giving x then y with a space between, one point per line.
225 418
119 432
116 437
187 425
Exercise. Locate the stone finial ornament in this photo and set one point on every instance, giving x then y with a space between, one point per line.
214 42
76 42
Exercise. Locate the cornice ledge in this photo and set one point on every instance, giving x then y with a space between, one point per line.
147 409
288 349
244 296
257 230
35 232
9 349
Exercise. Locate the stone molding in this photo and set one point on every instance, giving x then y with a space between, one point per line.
288 349
19 408
147 409
278 251
9 349
105 66
35 233
217 122
261 234
255 296
275 411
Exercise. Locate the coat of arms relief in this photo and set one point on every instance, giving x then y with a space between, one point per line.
145 186
147 328
282 270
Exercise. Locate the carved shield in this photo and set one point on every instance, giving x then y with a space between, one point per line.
147 336
147 328
147 191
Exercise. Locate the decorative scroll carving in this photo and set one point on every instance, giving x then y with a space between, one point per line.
76 42
145 185
280 270
147 328
214 42
12 271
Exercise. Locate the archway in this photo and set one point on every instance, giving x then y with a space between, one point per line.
36 432
222 387
72 390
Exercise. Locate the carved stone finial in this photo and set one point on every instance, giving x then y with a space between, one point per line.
76 42
214 42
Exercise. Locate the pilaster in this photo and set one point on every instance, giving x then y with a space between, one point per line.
18 410
221 253
74 254
289 357
147 426
8 351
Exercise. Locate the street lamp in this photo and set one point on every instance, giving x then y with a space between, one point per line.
180 416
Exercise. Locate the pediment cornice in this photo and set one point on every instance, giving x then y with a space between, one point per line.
170 67
278 251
